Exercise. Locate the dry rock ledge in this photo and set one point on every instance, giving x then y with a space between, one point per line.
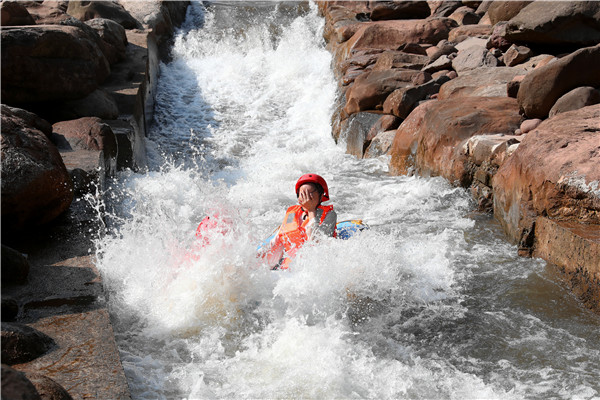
501 97
78 84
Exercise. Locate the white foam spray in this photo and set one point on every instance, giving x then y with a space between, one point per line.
429 303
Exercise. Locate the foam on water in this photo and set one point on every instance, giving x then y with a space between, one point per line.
429 303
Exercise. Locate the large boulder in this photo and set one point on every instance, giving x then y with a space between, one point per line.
29 119
372 88
14 13
565 22
86 143
50 62
548 176
382 10
22 343
542 87
36 186
15 385
47 388
404 146
88 133
446 127
392 34
480 82
113 37
99 104
504 10
86 10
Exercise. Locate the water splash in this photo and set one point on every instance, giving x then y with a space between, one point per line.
430 303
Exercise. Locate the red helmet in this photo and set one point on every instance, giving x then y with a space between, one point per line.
313 178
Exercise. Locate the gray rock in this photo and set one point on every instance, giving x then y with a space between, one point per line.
575 99
472 58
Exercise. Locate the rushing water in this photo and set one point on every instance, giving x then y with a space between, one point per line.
430 303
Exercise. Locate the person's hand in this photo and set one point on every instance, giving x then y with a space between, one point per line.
308 198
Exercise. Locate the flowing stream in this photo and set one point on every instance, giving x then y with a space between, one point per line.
430 303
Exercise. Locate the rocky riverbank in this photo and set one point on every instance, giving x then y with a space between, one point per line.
78 83
501 97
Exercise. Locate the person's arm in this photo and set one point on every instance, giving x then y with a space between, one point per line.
325 228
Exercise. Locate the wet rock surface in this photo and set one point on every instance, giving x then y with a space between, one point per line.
78 96
509 110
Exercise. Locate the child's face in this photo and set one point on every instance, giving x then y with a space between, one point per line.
308 196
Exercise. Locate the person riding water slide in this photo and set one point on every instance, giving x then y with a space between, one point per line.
305 221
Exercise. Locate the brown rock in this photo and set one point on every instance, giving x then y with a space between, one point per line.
443 63
480 31
86 10
505 10
542 87
359 61
565 22
392 34
465 16
50 62
372 88
400 60
529 125
13 13
385 123
384 10
340 24
481 7
443 8
88 133
380 145
113 37
47 388
15 267
512 87
446 127
547 175
29 119
36 187
21 343
516 55
497 40
97 104
413 48
440 50
576 99
48 12
402 101
404 146
575 249
481 82
15 385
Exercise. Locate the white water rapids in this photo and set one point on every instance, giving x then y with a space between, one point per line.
430 303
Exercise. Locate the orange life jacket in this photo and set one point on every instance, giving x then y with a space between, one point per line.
292 232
